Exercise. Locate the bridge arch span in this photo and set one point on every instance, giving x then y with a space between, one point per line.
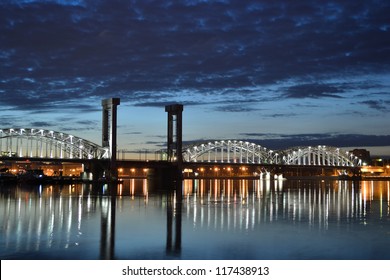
230 151
236 151
319 155
41 143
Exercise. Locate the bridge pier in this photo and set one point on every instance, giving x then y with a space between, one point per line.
97 168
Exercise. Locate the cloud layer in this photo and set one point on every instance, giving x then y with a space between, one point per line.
270 59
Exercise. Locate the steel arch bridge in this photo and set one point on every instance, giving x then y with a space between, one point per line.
235 151
41 143
320 155
230 151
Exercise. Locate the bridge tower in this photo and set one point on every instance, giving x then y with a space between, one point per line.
175 143
175 155
109 129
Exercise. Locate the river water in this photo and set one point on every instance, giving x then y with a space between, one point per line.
216 219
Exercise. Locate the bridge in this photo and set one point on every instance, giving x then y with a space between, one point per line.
37 144
237 151
42 143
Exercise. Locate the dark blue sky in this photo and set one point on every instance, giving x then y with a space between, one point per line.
279 73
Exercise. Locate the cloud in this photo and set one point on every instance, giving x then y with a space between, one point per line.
60 57
162 104
40 124
236 108
95 48
7 121
312 91
281 115
379 105
132 133
283 141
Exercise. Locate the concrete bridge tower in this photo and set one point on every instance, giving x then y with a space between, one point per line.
175 142
109 131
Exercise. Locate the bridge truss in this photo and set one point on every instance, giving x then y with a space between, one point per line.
230 151
40 143
234 151
320 155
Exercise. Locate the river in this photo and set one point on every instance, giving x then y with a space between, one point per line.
216 219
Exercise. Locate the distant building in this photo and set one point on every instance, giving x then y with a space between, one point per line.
363 154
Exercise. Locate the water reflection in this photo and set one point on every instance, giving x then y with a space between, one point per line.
108 216
243 204
130 221
35 218
174 225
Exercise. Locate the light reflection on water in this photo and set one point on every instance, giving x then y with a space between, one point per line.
218 219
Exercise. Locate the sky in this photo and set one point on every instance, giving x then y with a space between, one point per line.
277 73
